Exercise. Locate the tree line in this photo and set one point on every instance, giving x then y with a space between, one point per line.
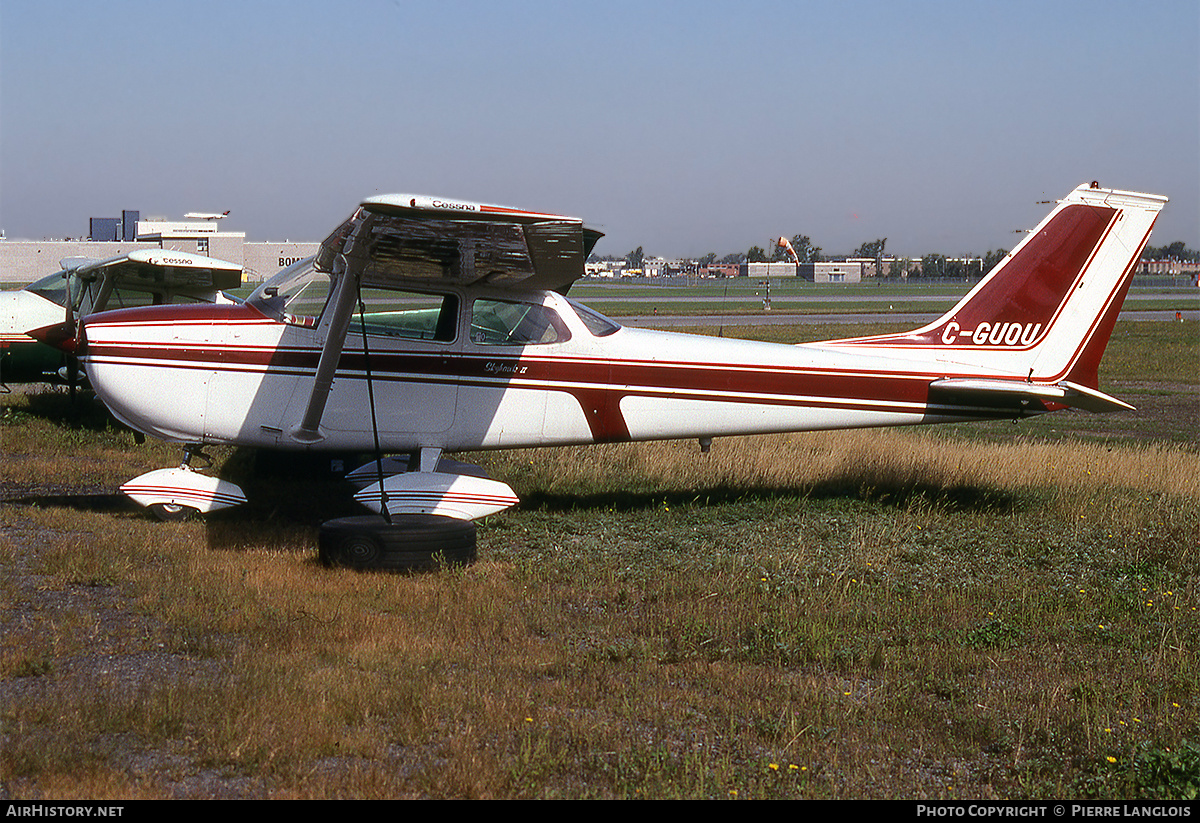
1172 251
931 265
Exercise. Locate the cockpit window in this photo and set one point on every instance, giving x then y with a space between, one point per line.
511 323
406 315
596 322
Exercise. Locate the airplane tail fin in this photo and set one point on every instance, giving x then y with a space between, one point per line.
1045 313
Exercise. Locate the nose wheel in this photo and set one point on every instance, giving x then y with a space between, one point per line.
182 492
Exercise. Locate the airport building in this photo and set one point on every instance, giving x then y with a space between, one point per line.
844 272
834 272
761 270
23 261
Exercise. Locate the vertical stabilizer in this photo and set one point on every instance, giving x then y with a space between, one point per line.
1045 313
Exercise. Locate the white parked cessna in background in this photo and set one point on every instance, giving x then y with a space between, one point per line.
52 305
427 325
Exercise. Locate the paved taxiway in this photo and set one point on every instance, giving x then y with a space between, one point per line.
775 318
798 301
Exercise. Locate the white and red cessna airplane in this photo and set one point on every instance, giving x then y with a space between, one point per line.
427 325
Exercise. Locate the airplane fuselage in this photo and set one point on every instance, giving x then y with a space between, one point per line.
230 374
425 325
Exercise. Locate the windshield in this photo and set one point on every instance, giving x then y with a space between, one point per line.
53 287
596 322
296 294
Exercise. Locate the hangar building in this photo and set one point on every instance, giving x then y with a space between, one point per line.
23 261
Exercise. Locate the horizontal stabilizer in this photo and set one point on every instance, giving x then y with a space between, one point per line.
1017 392
1093 400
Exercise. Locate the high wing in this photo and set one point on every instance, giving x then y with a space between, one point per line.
164 273
402 238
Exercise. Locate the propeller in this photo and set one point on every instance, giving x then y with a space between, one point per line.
59 335
62 336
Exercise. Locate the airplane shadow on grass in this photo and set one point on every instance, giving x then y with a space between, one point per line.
893 493
291 494
289 521
55 405
309 505
111 503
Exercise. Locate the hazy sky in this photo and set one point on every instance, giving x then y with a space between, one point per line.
682 127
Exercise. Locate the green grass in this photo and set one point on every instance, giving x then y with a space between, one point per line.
694 638
741 296
927 613
796 287
752 309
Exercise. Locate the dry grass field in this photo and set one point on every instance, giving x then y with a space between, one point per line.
995 611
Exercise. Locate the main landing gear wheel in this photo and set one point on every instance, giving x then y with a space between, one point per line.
412 542
172 512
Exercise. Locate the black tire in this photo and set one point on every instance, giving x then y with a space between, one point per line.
172 512
412 542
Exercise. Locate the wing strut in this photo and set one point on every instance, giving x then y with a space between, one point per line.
341 309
